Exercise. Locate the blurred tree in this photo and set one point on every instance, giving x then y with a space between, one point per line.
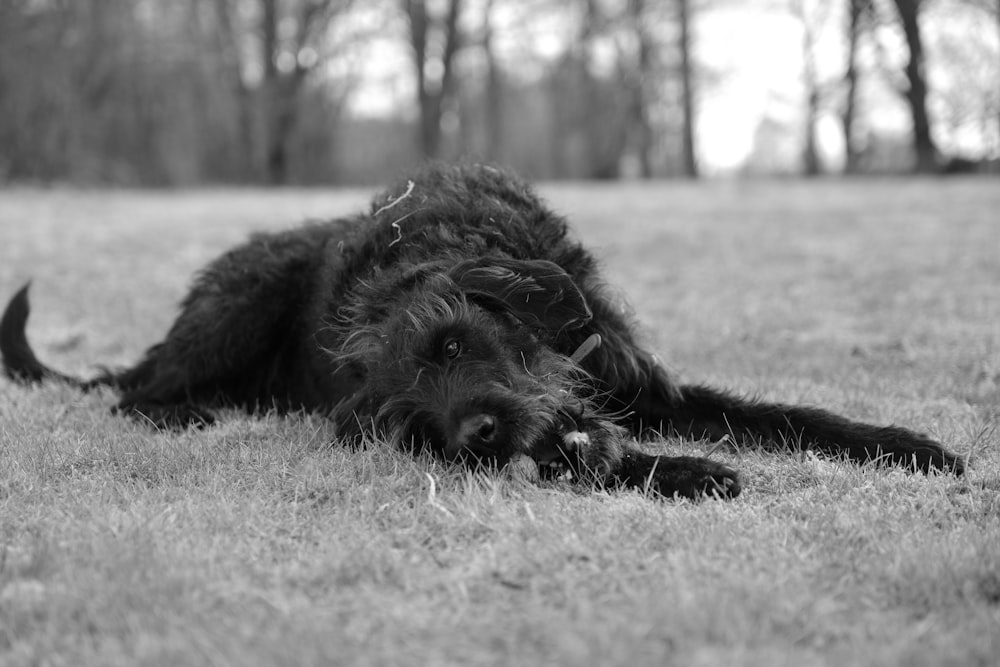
494 97
226 43
587 104
812 20
637 71
84 94
991 8
655 69
854 26
915 92
687 88
295 41
147 92
434 41
129 90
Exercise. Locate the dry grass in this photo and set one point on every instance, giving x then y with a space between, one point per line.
255 542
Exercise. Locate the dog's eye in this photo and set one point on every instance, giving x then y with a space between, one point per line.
452 348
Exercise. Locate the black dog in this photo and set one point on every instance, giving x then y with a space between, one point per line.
457 315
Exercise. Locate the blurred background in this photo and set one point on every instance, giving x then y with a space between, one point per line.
149 92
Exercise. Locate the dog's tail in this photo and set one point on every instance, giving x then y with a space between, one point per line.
19 361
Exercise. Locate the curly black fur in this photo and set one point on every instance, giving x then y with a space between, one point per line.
447 317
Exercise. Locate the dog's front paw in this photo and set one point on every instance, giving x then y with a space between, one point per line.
576 441
595 451
583 450
681 476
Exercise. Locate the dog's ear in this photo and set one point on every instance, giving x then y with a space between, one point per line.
537 292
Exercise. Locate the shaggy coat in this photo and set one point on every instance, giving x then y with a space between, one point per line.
457 314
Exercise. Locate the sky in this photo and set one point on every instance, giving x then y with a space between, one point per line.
756 63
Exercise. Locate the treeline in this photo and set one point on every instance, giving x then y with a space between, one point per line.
295 91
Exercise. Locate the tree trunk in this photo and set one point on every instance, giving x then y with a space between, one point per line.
634 74
229 48
810 151
275 156
851 158
597 163
431 95
416 12
687 89
282 89
810 154
916 93
494 92
642 133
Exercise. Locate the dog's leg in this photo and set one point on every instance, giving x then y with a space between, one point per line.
706 412
163 398
684 476
702 412
241 320
642 391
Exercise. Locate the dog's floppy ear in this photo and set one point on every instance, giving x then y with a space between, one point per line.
537 292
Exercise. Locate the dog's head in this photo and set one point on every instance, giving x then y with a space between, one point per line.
460 357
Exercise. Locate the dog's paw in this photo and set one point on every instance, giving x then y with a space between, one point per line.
682 476
916 451
594 451
583 450
576 448
172 417
576 441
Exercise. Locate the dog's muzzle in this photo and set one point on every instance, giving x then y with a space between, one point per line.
476 433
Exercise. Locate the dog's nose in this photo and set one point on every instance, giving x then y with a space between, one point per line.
476 429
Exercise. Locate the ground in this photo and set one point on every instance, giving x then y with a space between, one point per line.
256 542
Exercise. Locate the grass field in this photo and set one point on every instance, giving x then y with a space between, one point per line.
256 543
